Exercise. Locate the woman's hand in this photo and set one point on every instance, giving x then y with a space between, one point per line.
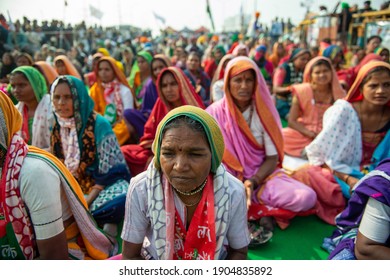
249 185
311 134
94 193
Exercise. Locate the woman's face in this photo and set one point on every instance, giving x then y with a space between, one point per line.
22 89
385 55
242 87
23 61
7 60
60 67
170 89
373 44
105 72
193 62
142 64
301 61
337 59
63 101
185 158
157 66
242 52
321 75
218 54
377 90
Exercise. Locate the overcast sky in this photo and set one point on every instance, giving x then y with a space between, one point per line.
177 13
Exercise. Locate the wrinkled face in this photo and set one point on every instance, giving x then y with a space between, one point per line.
321 75
301 61
157 66
373 44
377 90
60 67
185 158
193 62
63 101
23 61
170 89
142 64
21 88
242 87
105 72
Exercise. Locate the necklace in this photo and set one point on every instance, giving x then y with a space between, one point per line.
198 189
191 204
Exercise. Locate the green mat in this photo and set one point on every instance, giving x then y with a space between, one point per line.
301 240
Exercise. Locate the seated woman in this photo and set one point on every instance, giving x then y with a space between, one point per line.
336 56
287 74
28 86
320 89
140 74
57 224
217 82
384 53
136 119
254 142
24 59
174 90
90 77
197 76
354 139
186 205
85 142
363 228
112 95
265 66
47 71
278 52
64 66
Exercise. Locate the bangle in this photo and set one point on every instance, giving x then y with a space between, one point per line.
97 187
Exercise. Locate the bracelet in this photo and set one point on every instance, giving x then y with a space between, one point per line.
97 187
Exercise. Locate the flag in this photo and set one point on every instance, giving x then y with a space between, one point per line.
66 3
208 10
158 17
95 12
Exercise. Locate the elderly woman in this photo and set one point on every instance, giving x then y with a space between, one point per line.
254 142
174 90
135 119
354 138
186 204
86 144
287 74
319 90
112 95
28 86
57 224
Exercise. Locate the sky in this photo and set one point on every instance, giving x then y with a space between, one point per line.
177 13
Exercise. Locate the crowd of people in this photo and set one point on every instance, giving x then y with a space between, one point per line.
200 145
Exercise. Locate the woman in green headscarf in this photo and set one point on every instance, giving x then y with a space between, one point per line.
29 87
140 73
186 203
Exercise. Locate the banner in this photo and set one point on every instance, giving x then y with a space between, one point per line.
95 12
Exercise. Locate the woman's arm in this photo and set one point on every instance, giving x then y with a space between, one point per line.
131 251
54 248
367 249
277 81
293 117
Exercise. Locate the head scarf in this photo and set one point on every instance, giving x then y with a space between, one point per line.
264 104
210 126
354 93
240 47
26 55
337 90
332 51
221 49
36 80
167 62
219 73
297 53
48 71
103 51
135 75
70 68
117 71
10 120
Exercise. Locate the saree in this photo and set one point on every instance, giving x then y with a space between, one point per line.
311 112
36 131
341 121
48 71
135 82
137 156
100 158
97 95
85 240
244 155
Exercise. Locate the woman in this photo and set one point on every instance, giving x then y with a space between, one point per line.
90 77
241 50
265 66
212 62
47 71
320 89
278 52
85 142
140 74
7 66
287 74
112 95
363 228
57 224
384 53
184 190
254 143
174 90
353 140
217 82
28 86
64 66
136 119
24 59
336 55
198 78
